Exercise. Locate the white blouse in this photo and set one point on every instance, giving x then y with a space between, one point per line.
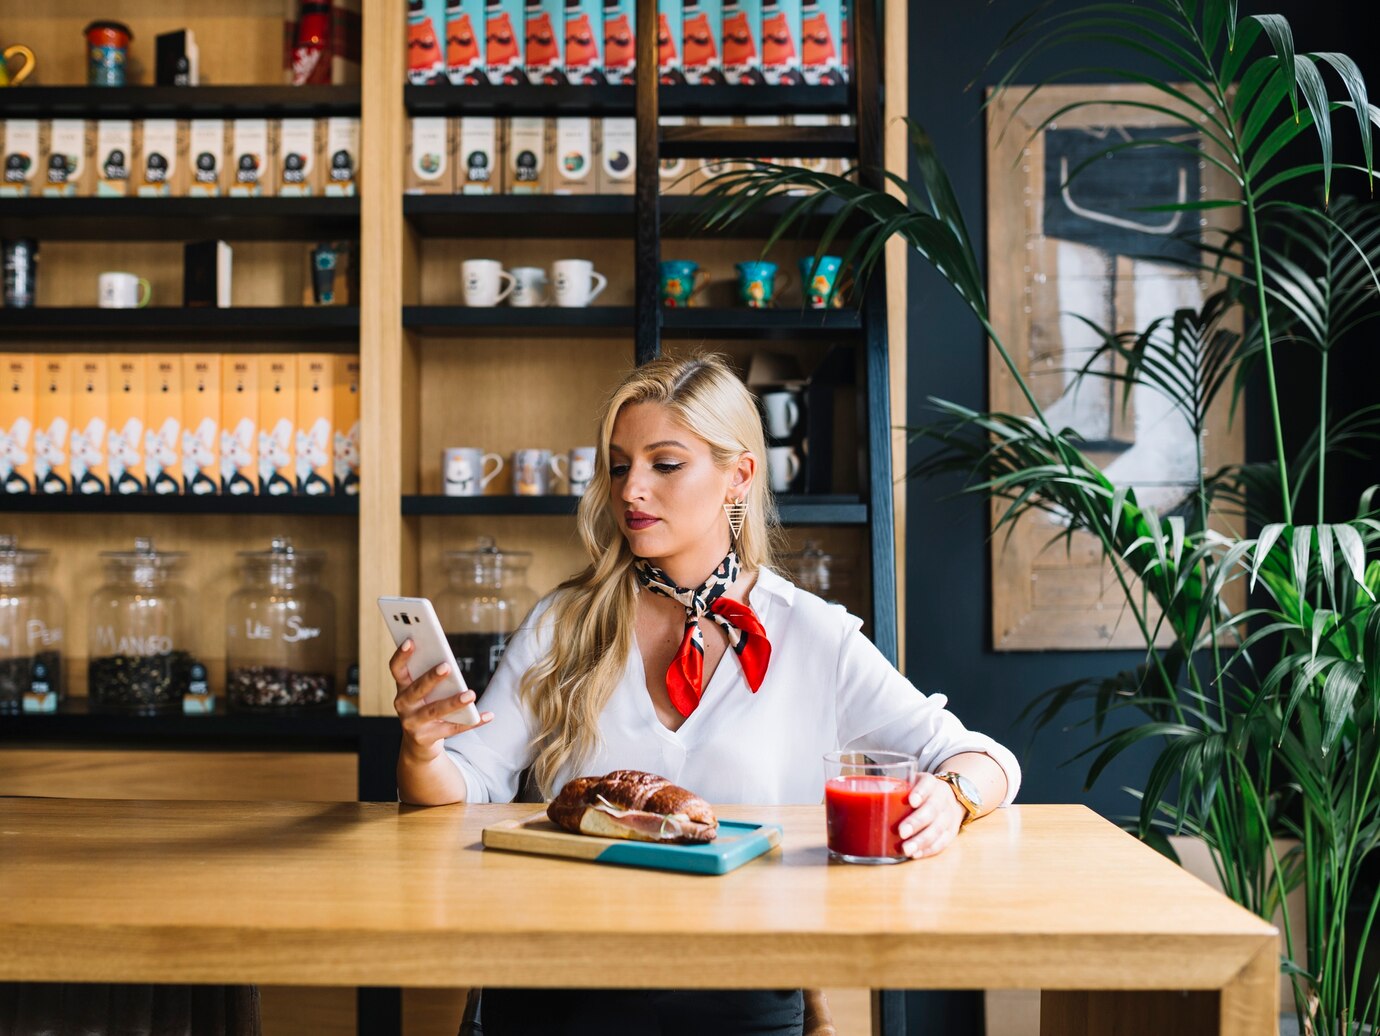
827 687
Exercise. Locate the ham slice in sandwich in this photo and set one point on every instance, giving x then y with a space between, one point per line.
635 805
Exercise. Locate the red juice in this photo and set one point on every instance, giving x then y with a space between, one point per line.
862 813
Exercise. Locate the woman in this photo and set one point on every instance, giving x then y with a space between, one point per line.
627 665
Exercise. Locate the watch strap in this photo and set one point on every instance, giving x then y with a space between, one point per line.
971 808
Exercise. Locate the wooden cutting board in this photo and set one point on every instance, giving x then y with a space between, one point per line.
738 842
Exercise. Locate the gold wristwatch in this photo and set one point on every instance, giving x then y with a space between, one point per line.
966 791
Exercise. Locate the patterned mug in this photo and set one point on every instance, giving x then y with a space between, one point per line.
678 284
757 284
819 283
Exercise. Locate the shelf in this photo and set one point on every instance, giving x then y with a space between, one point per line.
180 219
794 509
620 101
549 216
520 215
184 102
144 503
305 323
546 321
784 322
74 721
758 141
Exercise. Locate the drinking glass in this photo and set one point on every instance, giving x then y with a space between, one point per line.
866 796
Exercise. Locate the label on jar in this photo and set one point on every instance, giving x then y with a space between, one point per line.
41 635
140 647
295 630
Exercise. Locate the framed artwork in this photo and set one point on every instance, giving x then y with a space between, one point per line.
1060 249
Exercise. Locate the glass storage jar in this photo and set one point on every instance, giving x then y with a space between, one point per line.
280 633
812 569
31 624
139 632
485 598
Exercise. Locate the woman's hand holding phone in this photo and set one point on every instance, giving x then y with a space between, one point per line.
424 725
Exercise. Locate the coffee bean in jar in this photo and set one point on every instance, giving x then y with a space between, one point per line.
139 683
276 687
138 629
280 633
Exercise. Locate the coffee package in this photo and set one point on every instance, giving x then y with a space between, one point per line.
572 157
503 31
251 158
114 157
125 440
821 43
544 49
781 42
90 414
618 156
18 395
465 42
67 171
201 423
239 425
431 149
345 422
426 27
342 156
315 406
742 38
524 146
673 172
165 412
480 168
670 42
620 41
584 42
206 161
702 31
23 158
52 422
159 167
297 168
277 424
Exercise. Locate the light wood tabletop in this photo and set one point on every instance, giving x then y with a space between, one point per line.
377 894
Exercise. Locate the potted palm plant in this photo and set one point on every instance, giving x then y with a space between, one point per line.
1265 715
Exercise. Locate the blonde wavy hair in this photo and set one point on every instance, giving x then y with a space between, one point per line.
593 612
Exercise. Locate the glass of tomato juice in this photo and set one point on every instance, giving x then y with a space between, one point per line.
865 800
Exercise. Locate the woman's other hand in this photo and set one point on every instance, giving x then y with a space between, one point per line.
424 729
936 820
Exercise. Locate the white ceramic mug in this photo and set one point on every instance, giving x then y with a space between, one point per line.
782 466
462 470
529 287
581 469
481 279
119 290
783 412
575 282
532 471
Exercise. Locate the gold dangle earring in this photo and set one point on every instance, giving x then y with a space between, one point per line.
736 511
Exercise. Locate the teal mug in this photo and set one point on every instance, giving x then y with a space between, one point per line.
678 284
820 283
757 284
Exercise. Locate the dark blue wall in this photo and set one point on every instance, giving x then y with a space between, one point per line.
948 575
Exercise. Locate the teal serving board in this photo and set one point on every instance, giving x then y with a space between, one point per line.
738 842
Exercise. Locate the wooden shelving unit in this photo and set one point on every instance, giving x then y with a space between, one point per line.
434 374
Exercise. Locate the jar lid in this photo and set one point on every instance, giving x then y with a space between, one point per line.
488 554
12 554
282 551
107 24
144 553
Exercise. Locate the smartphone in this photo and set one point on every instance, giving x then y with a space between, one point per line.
414 617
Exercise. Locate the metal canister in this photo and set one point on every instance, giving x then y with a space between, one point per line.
21 263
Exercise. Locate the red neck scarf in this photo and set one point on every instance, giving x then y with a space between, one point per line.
685 676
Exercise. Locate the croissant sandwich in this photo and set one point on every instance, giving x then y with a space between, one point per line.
635 805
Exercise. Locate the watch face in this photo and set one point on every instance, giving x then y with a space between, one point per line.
969 789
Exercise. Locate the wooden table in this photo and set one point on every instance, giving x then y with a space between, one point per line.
377 894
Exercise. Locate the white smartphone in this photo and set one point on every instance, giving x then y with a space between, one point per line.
415 618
